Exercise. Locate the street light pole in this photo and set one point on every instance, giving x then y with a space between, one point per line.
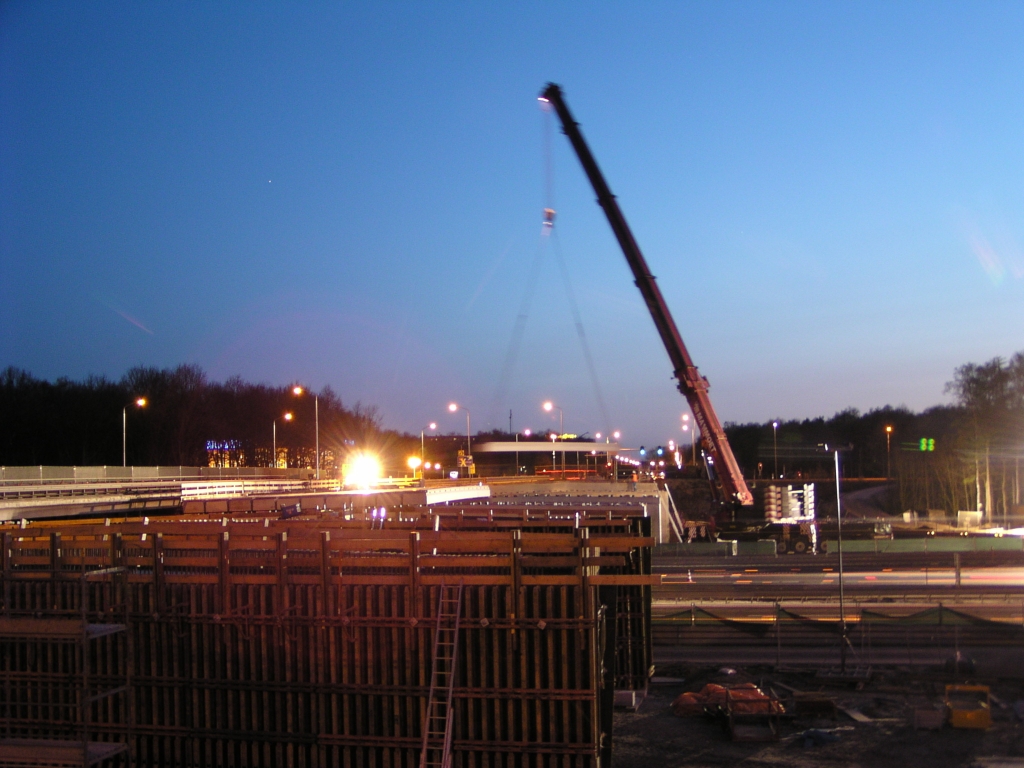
423 443
297 390
548 406
888 454
273 462
139 403
453 407
775 448
613 461
839 536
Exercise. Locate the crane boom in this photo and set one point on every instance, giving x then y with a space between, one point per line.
727 480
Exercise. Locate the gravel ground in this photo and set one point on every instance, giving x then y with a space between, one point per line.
654 736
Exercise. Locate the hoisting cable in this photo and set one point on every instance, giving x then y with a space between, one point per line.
547 228
578 320
512 353
549 224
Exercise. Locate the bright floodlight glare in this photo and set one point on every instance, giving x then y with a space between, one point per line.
364 471
287 417
414 462
527 432
597 436
775 424
615 434
548 405
888 429
141 402
296 390
453 407
433 425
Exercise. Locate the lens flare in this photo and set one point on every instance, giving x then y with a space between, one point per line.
363 471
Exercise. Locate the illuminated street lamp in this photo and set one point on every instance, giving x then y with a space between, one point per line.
612 461
316 410
454 407
888 439
286 417
423 453
139 403
775 447
549 406
526 433
693 435
414 463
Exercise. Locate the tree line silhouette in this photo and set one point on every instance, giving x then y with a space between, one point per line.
970 458
186 420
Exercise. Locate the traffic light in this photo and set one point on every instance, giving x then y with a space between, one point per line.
927 444
660 451
643 451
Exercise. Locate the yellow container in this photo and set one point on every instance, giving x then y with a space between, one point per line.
969 706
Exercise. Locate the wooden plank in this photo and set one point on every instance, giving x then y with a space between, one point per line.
465 561
619 543
549 580
626 580
476 579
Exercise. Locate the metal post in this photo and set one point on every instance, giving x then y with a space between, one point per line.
316 407
842 607
778 638
888 453
775 448
273 449
561 432
124 436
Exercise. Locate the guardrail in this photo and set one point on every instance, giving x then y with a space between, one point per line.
233 488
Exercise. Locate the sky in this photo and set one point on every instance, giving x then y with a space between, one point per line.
351 194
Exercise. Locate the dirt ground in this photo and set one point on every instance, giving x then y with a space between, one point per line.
654 736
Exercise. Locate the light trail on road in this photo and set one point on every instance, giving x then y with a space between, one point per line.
887 576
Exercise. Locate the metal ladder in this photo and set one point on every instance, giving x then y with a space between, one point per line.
437 725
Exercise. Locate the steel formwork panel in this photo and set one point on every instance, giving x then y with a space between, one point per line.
309 642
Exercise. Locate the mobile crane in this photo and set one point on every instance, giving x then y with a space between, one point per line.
727 484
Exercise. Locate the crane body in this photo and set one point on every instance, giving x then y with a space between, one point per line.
727 481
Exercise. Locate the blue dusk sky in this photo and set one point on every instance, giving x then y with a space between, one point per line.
830 195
